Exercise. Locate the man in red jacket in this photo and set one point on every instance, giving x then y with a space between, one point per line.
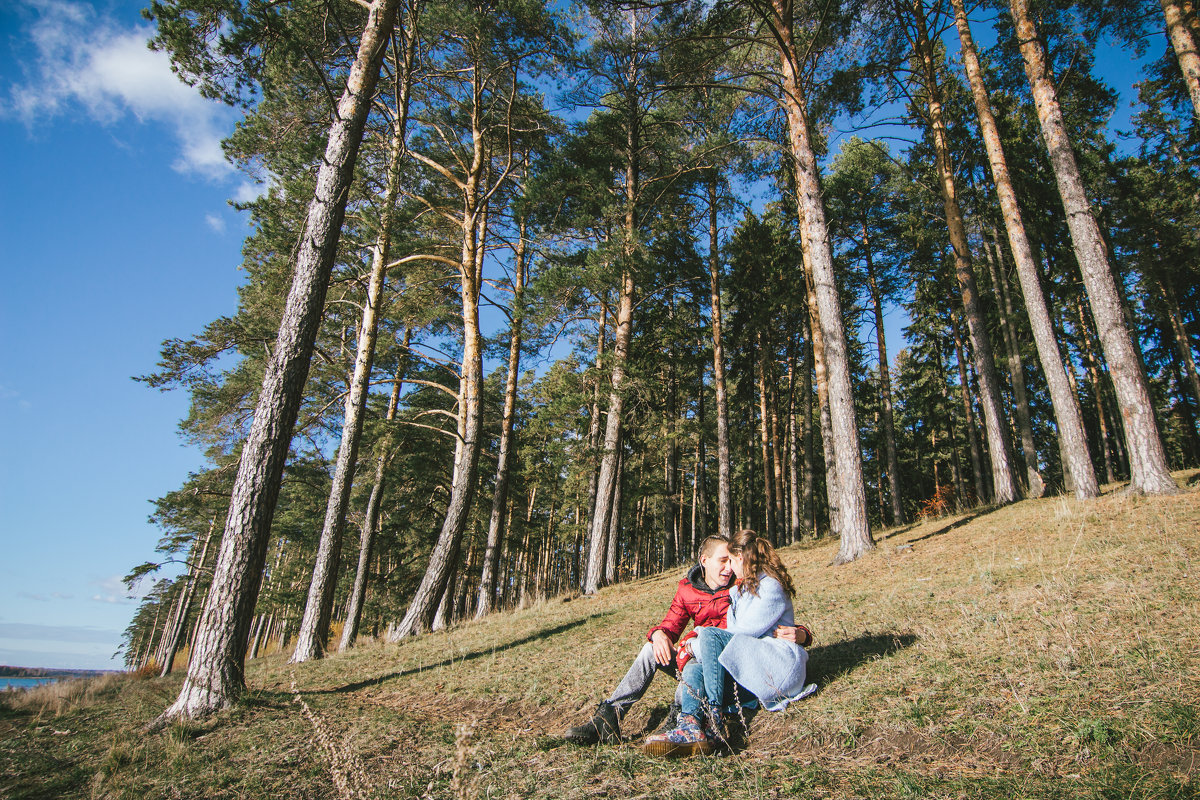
703 598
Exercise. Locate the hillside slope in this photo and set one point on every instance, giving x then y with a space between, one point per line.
1047 649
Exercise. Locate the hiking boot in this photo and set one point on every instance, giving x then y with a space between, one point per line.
602 727
670 721
687 739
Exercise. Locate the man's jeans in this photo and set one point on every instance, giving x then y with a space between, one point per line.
637 680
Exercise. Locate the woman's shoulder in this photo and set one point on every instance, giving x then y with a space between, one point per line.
769 584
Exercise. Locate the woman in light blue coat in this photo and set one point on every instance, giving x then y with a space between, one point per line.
762 667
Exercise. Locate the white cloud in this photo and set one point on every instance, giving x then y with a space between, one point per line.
215 222
247 192
87 62
113 590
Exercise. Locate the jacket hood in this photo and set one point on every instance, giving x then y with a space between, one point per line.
695 577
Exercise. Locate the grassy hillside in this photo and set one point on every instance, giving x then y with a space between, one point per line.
1048 649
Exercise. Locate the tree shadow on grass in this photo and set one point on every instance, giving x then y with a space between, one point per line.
829 662
447 662
958 523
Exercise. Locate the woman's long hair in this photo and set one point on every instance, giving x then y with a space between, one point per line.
758 555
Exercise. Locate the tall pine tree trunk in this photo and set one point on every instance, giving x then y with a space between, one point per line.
885 386
964 384
724 490
487 582
1148 469
215 677
312 638
1181 28
371 522
443 559
1066 404
1004 484
855 533
1035 486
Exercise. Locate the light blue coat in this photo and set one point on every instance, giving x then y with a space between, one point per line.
773 669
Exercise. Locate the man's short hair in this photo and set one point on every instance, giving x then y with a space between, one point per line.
709 544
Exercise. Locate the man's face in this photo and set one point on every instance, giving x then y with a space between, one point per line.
717 569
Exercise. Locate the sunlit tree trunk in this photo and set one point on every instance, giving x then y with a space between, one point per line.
1181 29
855 532
487 583
313 635
1066 404
444 556
1004 484
215 676
1148 469
724 492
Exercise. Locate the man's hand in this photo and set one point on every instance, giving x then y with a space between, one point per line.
663 653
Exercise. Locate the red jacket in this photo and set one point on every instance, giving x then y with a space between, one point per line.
694 601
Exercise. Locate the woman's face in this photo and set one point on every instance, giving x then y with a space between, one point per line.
736 561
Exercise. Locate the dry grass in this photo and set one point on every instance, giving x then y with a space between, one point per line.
1047 649
55 699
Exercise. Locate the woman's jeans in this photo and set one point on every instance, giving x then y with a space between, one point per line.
706 681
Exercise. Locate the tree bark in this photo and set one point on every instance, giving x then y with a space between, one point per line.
1034 485
215 677
443 558
312 638
171 643
885 384
724 490
855 533
1004 484
1180 28
1066 405
487 582
1149 473
371 522
964 384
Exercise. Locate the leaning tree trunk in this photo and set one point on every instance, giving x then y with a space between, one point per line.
855 531
370 528
1066 405
312 638
1148 470
724 492
215 677
1184 41
487 582
444 555
1004 484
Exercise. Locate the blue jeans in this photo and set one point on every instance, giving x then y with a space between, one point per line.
706 681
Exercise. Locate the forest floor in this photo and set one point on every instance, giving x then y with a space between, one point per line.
1049 649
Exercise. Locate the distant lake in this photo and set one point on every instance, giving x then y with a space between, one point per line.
24 683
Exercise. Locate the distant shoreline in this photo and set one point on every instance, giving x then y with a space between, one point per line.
42 672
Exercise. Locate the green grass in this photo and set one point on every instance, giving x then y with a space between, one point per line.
1045 650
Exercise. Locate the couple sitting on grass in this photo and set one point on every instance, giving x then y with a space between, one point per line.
745 649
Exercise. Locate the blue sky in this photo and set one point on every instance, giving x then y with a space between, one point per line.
115 233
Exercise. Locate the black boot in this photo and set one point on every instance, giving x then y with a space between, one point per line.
601 728
669 722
